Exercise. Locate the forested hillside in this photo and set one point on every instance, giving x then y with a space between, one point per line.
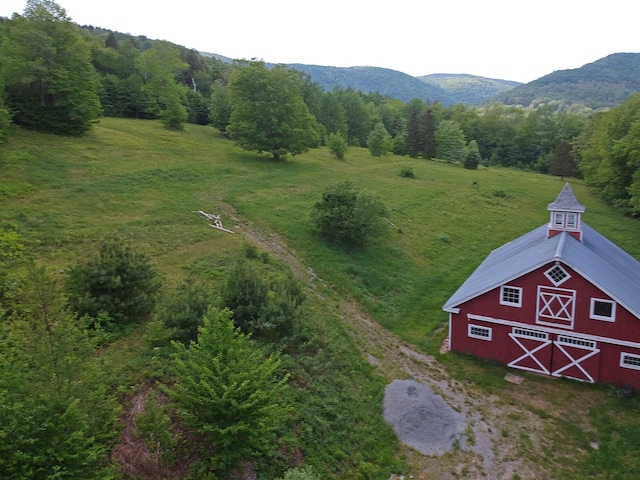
384 81
603 84
469 89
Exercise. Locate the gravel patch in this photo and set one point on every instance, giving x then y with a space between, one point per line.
421 418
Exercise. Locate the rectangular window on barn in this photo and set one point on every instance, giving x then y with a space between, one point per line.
603 310
511 296
629 360
482 333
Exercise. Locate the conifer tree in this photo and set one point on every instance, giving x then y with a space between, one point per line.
227 390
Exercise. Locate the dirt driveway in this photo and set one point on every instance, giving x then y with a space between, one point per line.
490 447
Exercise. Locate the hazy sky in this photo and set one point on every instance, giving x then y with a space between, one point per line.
508 39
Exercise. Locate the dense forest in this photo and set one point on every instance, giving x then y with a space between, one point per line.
60 78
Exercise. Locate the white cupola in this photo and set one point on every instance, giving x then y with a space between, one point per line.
565 214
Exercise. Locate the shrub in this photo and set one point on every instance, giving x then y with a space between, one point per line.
347 216
119 282
181 311
264 308
337 145
407 171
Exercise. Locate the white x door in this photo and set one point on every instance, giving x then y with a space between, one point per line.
532 351
575 358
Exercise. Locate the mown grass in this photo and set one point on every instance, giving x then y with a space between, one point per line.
144 182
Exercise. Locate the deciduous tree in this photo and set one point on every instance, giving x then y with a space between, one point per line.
46 66
268 113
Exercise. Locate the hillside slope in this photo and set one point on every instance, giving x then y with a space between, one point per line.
374 79
603 84
469 89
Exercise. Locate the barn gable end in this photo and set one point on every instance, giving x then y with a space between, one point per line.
561 300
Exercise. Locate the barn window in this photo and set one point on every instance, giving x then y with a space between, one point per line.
603 310
558 219
511 296
629 360
572 221
557 275
483 333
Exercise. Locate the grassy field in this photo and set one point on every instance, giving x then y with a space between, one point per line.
136 178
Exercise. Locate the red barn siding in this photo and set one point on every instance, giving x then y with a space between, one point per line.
602 366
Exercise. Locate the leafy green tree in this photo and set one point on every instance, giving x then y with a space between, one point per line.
159 67
332 114
260 307
610 161
175 114
229 392
348 216
379 141
472 156
119 282
220 113
268 113
360 116
182 310
450 141
337 145
5 116
57 418
46 66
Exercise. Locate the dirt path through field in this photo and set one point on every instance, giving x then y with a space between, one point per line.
486 449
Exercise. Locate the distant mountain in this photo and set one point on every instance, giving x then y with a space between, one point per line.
603 84
374 79
469 89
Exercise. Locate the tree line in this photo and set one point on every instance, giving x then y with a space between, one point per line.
60 78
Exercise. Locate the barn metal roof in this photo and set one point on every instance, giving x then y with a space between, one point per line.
596 258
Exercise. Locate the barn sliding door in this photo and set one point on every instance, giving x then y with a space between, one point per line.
575 358
532 351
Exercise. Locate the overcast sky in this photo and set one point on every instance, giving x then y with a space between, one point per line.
506 39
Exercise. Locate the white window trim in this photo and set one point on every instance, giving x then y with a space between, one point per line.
593 316
511 304
624 355
547 274
557 219
569 297
489 330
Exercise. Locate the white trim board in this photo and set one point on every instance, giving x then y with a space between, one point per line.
555 331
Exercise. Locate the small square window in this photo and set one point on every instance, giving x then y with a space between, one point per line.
481 333
571 221
629 360
511 296
557 275
602 310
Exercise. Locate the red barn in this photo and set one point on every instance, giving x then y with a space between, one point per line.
561 300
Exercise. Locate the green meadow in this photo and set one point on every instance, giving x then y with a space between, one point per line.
135 178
